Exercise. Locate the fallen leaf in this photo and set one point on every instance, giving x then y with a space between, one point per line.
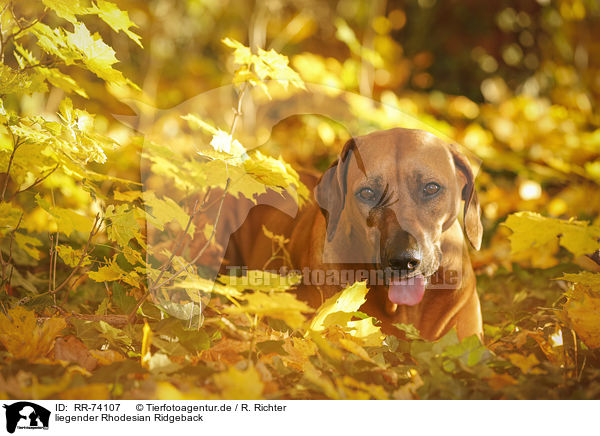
24 338
71 349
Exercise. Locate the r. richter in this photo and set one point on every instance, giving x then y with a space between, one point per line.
269 408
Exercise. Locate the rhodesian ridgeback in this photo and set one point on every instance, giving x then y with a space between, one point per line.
390 210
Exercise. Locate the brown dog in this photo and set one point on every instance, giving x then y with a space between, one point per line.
386 211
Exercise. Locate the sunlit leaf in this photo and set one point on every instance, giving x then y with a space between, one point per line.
116 18
24 338
238 384
123 225
342 306
280 305
532 230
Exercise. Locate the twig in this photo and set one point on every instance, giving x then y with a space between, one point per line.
206 244
51 258
93 232
164 267
23 28
54 263
2 41
115 320
16 145
47 64
238 110
595 256
10 246
35 183
138 304
168 263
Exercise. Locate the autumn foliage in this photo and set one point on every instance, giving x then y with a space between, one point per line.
110 207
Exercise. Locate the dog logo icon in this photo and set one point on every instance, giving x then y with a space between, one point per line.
26 415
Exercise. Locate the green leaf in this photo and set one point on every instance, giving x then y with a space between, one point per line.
116 371
469 351
81 48
115 337
192 339
409 330
121 299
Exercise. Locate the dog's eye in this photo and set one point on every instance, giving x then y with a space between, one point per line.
366 194
431 189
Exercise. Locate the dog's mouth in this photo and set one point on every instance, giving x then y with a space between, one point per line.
408 291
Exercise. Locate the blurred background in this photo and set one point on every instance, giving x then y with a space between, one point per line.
515 82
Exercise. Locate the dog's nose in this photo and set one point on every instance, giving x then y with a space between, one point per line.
405 261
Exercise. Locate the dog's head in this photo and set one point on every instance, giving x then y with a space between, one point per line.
389 199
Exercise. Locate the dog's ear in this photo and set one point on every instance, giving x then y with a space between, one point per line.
472 213
330 192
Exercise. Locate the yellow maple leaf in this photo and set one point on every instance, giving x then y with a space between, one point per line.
24 338
524 363
582 309
235 384
280 305
340 308
534 230
369 334
298 351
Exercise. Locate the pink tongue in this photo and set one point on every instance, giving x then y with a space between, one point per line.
407 291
